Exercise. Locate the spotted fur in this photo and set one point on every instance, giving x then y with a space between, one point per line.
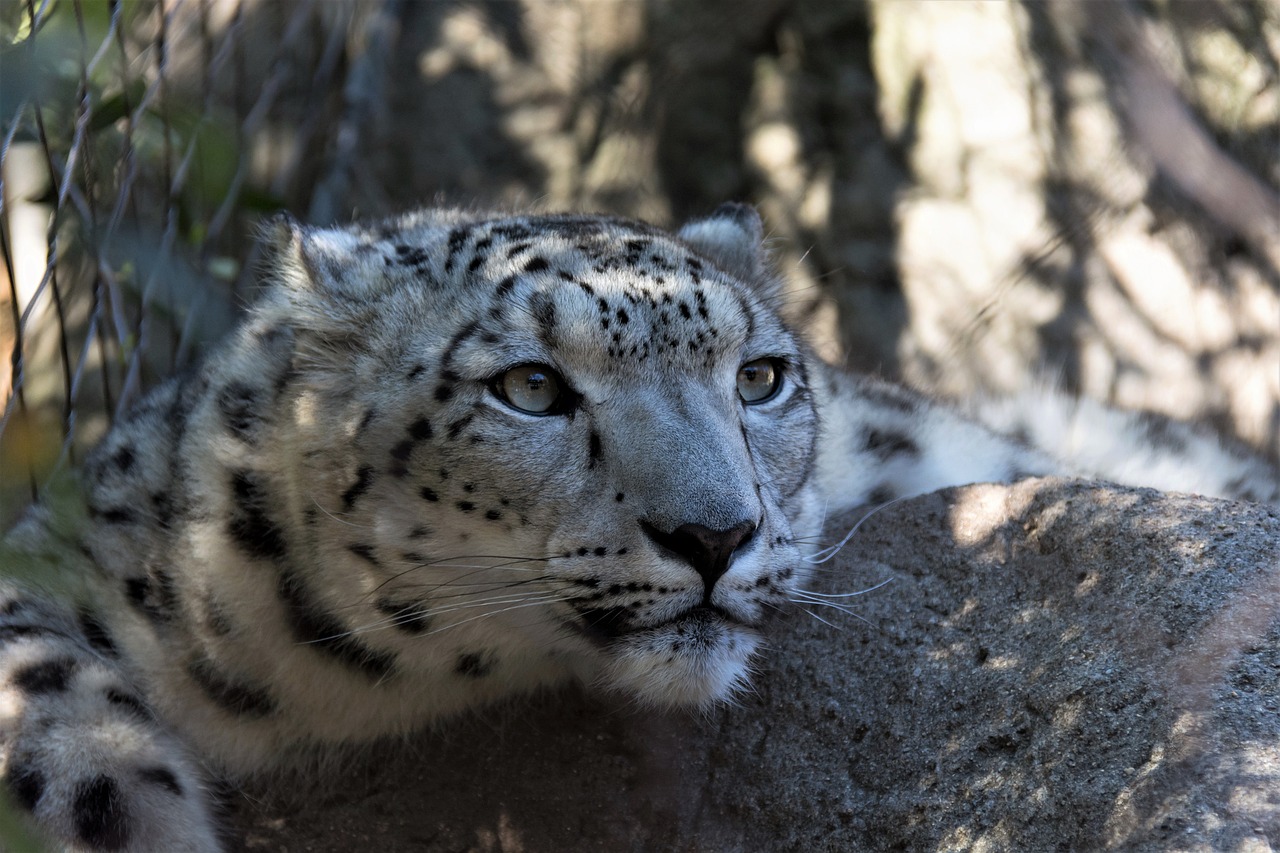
342 526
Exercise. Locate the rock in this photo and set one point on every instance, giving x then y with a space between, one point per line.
1052 665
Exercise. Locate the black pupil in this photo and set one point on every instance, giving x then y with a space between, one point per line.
757 374
536 381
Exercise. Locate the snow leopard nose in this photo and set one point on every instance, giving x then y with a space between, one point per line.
708 551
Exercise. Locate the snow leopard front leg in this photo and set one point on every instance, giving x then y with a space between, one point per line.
81 752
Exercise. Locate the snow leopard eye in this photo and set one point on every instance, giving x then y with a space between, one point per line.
535 389
759 380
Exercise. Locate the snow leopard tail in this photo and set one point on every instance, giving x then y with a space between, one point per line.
1131 448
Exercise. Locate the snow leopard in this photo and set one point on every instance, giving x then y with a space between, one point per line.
447 459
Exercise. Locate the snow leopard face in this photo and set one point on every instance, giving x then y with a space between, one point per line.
570 437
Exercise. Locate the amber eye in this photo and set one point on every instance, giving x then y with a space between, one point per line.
532 388
759 380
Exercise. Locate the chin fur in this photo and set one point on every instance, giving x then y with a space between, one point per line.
690 664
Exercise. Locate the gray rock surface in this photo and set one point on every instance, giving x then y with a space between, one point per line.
1053 665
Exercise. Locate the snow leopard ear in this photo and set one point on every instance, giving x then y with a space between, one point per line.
317 278
732 238
304 258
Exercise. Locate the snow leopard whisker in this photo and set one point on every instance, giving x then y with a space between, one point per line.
805 603
475 568
432 589
337 518
845 594
552 600
800 598
476 587
830 551
465 579
430 612
820 619
485 602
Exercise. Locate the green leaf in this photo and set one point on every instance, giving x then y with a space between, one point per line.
116 107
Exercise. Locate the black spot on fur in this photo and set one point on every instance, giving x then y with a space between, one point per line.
443 393
100 813
505 287
594 449
544 312
95 633
162 776
250 525
881 494
537 264
238 698
25 783
365 552
136 590
457 237
407 616
50 676
619 497
493 515
323 632
16 632
413 256
420 430
154 594
456 428
162 505
364 478
123 459
474 665
886 443
429 494
415 372
1163 431
113 515
466 506
130 703
239 406
400 458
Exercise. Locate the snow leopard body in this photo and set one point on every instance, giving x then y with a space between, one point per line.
449 458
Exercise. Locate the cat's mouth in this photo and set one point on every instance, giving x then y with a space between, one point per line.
606 625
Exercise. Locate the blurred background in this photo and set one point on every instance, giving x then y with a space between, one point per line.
968 196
